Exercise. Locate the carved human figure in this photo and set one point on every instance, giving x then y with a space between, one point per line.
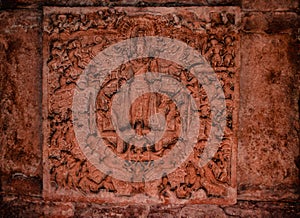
229 52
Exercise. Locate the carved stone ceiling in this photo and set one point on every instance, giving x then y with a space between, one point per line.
73 38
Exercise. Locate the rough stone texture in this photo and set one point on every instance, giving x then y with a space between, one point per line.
270 5
268 146
96 210
70 42
268 152
140 3
262 209
20 99
146 2
37 208
270 22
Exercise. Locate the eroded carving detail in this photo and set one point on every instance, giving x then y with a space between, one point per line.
72 40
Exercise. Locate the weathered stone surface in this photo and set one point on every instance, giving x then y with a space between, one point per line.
21 208
96 210
28 4
270 22
8 4
72 38
240 209
269 118
201 211
20 99
58 209
263 5
262 209
132 2
269 161
35 208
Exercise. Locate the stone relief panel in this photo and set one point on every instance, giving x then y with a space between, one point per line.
72 39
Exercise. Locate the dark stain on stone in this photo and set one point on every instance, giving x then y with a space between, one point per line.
297 161
1 190
5 4
250 23
278 24
242 187
13 46
23 184
274 76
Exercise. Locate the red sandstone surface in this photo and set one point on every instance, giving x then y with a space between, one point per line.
252 45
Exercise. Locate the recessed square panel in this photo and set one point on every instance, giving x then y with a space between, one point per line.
140 104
